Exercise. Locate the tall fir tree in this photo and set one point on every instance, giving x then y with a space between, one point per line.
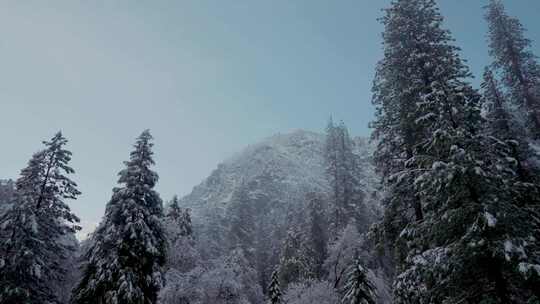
512 54
295 263
502 125
180 217
401 77
395 129
32 231
343 174
125 261
358 288
499 121
182 253
274 291
461 246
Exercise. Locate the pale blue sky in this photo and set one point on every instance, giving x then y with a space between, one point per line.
208 77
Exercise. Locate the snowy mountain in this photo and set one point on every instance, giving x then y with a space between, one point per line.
279 172
295 161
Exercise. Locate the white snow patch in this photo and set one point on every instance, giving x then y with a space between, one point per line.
491 220
510 248
525 268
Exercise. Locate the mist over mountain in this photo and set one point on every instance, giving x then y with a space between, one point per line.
279 175
294 160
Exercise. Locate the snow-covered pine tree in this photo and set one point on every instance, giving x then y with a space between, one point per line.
395 129
182 253
333 173
341 254
358 289
294 263
32 231
274 292
462 247
498 118
128 250
21 279
512 54
404 79
342 172
7 194
502 126
180 218
174 212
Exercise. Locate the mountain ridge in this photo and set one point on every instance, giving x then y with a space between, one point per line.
297 158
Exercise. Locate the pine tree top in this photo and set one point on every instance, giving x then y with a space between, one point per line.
274 290
128 251
138 170
174 211
503 27
358 289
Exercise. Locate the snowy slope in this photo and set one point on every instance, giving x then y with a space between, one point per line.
294 159
295 164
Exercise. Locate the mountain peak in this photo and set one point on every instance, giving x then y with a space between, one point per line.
295 160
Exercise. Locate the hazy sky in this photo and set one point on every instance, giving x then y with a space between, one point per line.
207 77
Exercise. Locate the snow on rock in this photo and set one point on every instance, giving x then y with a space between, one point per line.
294 160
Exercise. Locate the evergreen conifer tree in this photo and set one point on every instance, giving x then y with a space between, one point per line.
358 289
512 54
182 253
461 246
502 125
180 218
7 194
498 118
31 232
294 264
125 260
274 291
342 172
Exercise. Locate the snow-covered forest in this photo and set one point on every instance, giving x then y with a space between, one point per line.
440 206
